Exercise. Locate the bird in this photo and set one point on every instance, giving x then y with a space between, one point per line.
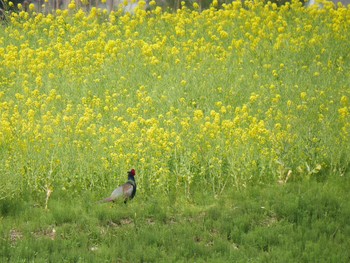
126 191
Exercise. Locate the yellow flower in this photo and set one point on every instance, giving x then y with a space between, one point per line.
31 7
253 97
198 115
344 112
72 5
344 100
303 95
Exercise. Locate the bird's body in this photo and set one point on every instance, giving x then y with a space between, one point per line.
127 190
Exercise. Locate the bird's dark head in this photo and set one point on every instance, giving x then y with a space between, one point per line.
132 172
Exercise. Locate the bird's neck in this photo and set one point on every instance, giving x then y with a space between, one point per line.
131 178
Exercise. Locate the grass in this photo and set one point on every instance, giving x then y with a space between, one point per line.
296 222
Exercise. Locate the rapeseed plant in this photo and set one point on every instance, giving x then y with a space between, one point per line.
225 96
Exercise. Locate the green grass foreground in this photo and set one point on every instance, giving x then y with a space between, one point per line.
211 108
296 222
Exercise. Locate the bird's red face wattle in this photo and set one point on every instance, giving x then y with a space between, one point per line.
133 172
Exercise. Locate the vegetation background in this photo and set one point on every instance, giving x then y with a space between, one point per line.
236 119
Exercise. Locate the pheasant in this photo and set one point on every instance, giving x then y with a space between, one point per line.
127 190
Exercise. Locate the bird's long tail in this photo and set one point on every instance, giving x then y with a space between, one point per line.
117 193
106 200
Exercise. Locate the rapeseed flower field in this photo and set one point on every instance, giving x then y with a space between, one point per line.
221 98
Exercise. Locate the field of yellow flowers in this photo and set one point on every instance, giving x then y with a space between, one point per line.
220 98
